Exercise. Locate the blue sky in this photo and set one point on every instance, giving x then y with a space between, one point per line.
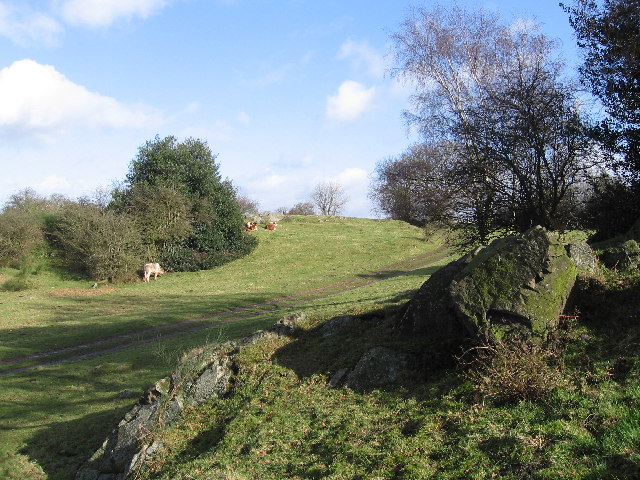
288 93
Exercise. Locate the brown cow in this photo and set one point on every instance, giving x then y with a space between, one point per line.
250 226
154 268
271 226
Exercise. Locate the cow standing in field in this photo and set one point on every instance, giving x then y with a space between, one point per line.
154 268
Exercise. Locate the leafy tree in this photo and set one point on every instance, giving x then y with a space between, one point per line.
329 198
189 170
163 217
22 225
609 35
613 206
413 186
30 202
496 94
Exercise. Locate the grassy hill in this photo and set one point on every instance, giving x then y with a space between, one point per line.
569 409
68 351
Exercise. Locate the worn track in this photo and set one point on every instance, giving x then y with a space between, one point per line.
140 337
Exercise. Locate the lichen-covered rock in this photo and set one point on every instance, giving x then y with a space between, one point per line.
517 286
430 310
203 373
378 367
583 256
338 324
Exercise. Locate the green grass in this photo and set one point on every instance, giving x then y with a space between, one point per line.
283 421
53 417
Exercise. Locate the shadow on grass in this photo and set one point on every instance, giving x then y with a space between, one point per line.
34 403
422 272
87 393
327 349
62 447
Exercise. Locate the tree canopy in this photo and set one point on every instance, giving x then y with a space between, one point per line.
495 94
413 186
190 215
329 198
609 36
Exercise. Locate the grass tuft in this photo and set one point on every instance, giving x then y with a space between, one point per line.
16 284
511 372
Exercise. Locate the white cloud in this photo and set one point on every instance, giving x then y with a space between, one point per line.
363 56
53 184
214 132
37 99
102 13
352 176
25 27
352 100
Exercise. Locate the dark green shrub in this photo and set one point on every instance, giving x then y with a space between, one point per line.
179 258
613 207
162 215
186 179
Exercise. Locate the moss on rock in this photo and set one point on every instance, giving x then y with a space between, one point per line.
517 284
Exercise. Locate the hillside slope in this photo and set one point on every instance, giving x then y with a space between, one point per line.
568 409
74 358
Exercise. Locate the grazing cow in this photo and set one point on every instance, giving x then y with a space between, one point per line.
154 268
271 226
250 226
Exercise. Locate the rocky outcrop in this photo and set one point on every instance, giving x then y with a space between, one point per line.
338 324
203 373
517 286
623 257
583 257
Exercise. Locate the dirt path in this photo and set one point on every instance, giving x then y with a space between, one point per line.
141 337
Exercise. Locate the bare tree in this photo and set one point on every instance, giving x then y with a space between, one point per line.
413 186
247 205
302 208
495 92
329 198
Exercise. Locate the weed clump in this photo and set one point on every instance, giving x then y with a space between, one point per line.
509 372
16 284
